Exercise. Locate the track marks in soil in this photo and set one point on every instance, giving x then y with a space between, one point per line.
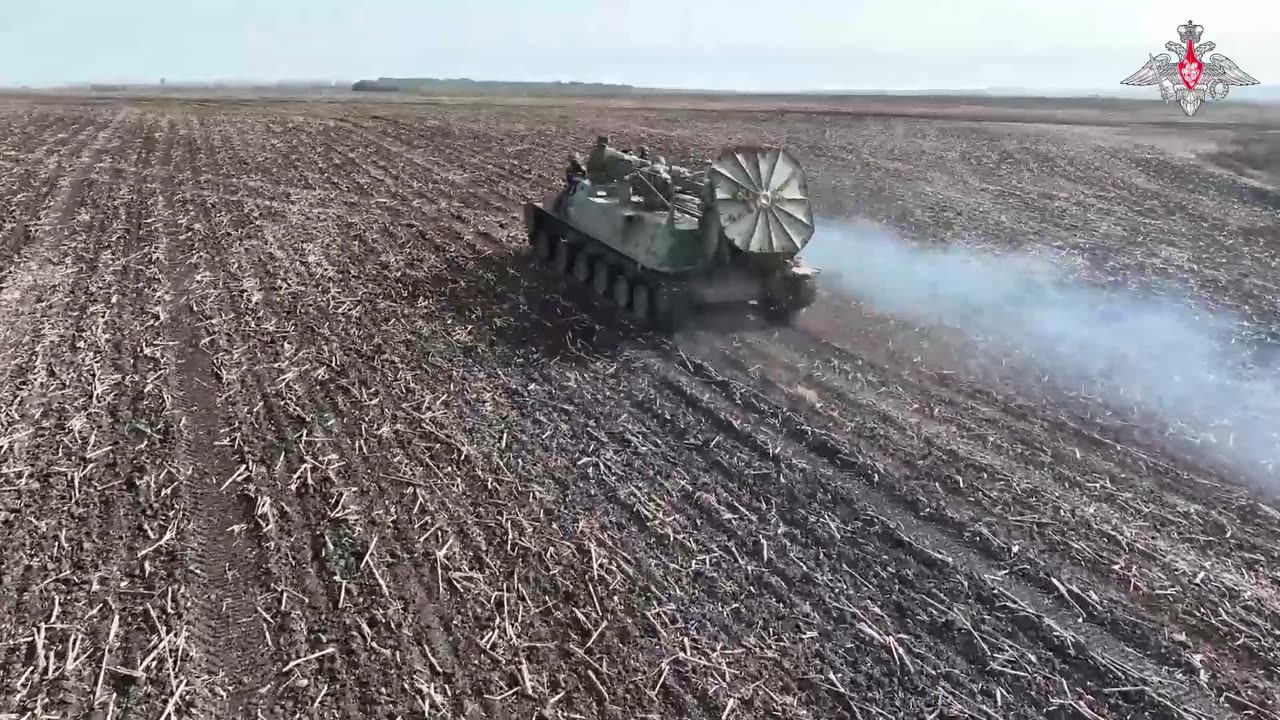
1059 580
857 485
453 492
224 573
1054 598
1146 567
205 462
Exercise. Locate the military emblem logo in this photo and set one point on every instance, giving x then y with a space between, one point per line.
1191 80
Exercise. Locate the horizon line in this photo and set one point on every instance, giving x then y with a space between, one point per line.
1118 92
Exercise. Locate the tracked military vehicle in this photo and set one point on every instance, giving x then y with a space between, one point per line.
663 243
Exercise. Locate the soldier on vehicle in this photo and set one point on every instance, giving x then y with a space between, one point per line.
575 172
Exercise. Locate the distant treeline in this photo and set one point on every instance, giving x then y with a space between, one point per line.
463 86
305 86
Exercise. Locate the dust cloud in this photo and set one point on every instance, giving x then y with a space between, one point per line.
1158 351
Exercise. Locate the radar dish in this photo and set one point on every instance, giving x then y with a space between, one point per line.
762 198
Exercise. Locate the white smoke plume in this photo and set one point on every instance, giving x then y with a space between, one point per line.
1160 352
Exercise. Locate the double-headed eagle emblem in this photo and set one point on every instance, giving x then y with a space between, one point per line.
1191 80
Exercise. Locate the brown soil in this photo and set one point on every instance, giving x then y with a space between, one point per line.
289 427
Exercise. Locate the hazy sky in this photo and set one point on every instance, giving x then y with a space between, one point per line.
730 44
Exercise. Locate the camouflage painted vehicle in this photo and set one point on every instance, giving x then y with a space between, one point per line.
663 243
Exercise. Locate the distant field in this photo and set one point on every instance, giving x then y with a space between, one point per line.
1088 111
289 426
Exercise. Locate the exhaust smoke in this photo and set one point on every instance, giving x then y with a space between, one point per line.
1196 370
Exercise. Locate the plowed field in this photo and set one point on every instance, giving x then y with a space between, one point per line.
289 427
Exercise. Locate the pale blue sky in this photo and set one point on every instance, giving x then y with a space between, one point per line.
730 44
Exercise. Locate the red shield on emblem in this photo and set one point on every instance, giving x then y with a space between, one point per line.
1199 83
1190 68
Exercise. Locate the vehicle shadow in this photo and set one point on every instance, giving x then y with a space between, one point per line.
513 306
524 308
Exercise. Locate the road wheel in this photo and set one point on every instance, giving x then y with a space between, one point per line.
622 291
543 245
641 303
601 278
582 268
562 258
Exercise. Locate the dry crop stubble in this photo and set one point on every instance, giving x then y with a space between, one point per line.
92 526
365 459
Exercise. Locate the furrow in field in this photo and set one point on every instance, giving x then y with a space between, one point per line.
32 194
1177 568
228 577
99 593
781 405
386 491
1128 451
